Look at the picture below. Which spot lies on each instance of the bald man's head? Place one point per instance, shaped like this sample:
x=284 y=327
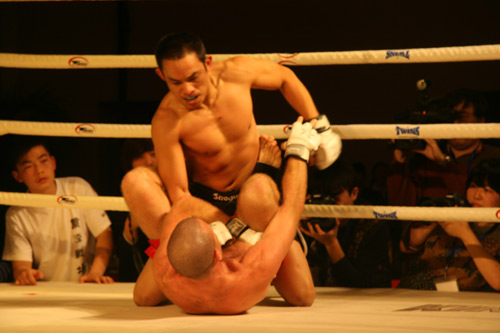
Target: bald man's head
x=191 y=248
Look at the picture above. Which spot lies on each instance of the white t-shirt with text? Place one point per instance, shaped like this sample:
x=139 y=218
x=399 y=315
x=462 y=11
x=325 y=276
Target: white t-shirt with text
x=58 y=241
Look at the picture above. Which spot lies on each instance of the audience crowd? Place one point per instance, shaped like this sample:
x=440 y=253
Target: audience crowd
x=52 y=244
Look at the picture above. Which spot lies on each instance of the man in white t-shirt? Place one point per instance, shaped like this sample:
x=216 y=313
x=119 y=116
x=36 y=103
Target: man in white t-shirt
x=55 y=244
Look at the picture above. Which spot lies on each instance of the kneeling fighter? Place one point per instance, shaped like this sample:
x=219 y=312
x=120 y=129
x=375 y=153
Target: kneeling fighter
x=208 y=267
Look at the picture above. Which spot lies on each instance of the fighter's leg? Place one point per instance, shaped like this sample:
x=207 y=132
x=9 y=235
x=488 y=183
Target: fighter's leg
x=146 y=198
x=294 y=280
x=146 y=292
x=257 y=204
x=259 y=196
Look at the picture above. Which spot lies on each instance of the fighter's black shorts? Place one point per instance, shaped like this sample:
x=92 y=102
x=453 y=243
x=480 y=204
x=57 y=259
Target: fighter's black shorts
x=226 y=201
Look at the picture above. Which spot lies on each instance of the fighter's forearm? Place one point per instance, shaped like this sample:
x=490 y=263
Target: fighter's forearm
x=294 y=185
x=176 y=186
x=297 y=95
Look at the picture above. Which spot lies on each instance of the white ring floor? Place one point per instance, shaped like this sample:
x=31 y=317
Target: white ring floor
x=72 y=307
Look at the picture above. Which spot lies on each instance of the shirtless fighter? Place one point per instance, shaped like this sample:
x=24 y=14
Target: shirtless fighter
x=204 y=268
x=204 y=131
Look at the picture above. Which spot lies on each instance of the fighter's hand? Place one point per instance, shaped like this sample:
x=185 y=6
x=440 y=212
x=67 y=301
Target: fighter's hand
x=302 y=141
x=97 y=278
x=331 y=145
x=28 y=277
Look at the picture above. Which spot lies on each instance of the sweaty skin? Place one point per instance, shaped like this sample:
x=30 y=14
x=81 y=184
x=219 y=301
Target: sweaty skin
x=204 y=129
x=241 y=274
x=231 y=287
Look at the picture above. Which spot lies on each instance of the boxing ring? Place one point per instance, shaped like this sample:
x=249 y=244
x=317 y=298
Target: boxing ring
x=346 y=132
x=71 y=307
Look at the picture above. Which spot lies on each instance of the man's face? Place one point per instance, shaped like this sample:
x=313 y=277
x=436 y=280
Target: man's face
x=36 y=169
x=346 y=198
x=483 y=196
x=465 y=115
x=188 y=80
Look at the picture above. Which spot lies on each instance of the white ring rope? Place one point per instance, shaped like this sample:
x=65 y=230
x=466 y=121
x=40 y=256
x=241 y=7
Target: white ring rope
x=475 y=214
x=62 y=201
x=406 y=131
x=404 y=56
x=74 y=129
x=347 y=132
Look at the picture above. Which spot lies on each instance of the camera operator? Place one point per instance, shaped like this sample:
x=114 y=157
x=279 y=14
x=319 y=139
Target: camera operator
x=437 y=169
x=357 y=250
x=457 y=255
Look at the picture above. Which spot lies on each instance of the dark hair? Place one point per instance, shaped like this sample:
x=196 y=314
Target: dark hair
x=470 y=98
x=334 y=180
x=487 y=172
x=132 y=149
x=22 y=146
x=177 y=45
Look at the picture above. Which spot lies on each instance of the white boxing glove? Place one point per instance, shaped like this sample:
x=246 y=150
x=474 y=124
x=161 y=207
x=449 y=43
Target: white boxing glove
x=331 y=145
x=302 y=141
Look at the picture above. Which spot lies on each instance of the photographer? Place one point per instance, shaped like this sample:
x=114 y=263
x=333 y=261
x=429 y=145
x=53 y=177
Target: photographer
x=457 y=255
x=438 y=169
x=357 y=250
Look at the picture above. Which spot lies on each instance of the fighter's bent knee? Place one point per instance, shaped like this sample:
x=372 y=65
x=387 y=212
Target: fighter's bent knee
x=306 y=298
x=145 y=300
x=138 y=176
x=261 y=188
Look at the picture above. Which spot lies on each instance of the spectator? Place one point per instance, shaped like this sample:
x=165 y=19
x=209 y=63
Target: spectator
x=358 y=250
x=458 y=255
x=436 y=171
x=54 y=244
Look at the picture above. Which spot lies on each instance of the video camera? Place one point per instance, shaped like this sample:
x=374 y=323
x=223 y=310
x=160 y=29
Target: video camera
x=450 y=200
x=429 y=111
x=325 y=224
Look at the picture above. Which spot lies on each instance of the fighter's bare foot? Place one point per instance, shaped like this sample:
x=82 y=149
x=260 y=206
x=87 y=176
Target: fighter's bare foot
x=270 y=152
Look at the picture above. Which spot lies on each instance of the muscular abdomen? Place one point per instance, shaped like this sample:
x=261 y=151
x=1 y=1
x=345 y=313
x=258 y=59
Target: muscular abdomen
x=225 y=156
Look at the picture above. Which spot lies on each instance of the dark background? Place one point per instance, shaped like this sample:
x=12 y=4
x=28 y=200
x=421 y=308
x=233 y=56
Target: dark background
x=348 y=94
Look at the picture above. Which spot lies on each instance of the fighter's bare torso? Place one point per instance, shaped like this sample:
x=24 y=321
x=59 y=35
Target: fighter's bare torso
x=219 y=139
x=232 y=287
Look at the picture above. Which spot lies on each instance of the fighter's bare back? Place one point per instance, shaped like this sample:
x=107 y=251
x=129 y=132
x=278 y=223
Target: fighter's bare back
x=232 y=286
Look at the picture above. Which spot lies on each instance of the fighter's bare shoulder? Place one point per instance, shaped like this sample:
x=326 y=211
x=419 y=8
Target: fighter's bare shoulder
x=258 y=73
x=167 y=114
x=169 y=107
x=242 y=68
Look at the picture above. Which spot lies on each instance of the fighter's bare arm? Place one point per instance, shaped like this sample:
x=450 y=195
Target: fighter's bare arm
x=267 y=255
x=165 y=130
x=267 y=75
